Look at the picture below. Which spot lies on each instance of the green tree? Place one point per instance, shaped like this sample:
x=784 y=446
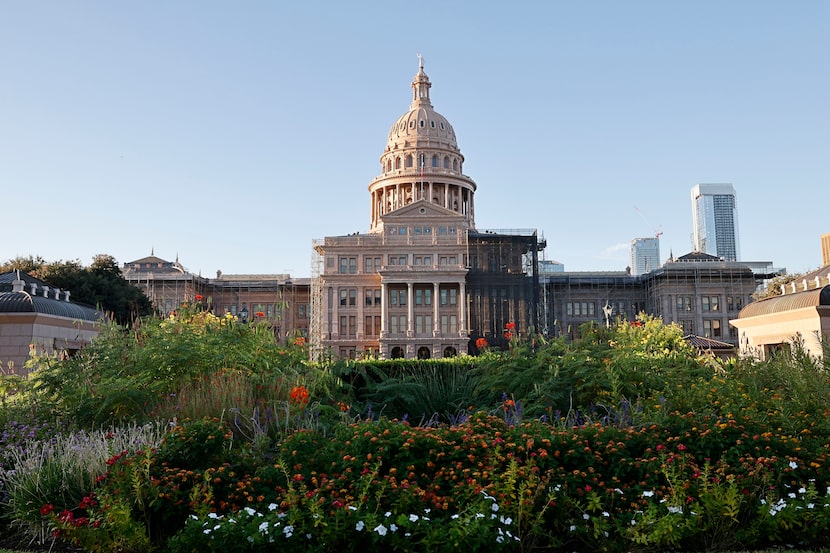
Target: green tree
x=773 y=287
x=101 y=284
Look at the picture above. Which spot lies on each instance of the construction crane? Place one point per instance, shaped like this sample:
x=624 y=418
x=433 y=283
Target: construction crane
x=657 y=230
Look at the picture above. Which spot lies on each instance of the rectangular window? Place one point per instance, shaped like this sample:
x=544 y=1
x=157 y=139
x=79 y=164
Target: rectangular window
x=302 y=310
x=371 y=325
x=344 y=297
x=352 y=297
x=368 y=265
x=397 y=296
x=711 y=328
x=348 y=265
x=684 y=303
x=344 y=325
x=448 y=325
x=580 y=309
x=710 y=303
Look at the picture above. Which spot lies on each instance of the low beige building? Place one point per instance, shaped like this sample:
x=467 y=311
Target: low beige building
x=800 y=314
x=35 y=316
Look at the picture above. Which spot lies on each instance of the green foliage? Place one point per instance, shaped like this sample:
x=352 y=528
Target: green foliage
x=61 y=471
x=418 y=390
x=604 y=368
x=138 y=374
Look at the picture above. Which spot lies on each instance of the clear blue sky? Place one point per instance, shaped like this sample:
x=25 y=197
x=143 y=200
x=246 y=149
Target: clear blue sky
x=232 y=134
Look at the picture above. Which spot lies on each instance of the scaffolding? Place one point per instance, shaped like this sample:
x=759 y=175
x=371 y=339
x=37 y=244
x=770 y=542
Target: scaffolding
x=503 y=283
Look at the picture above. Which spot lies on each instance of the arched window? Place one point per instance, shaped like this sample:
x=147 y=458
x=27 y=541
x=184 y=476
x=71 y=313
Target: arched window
x=396 y=353
x=435 y=161
x=397 y=163
x=424 y=352
x=455 y=165
x=450 y=351
x=446 y=162
x=389 y=165
x=409 y=160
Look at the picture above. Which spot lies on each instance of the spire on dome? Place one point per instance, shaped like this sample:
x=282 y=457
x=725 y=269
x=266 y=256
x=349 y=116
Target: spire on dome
x=421 y=86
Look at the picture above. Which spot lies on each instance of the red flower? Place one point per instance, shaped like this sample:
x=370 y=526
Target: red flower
x=510 y=326
x=299 y=341
x=46 y=509
x=259 y=314
x=199 y=297
x=481 y=343
x=299 y=395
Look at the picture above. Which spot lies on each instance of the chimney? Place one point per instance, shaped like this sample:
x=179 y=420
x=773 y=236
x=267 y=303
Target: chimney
x=57 y=293
x=33 y=286
x=45 y=291
x=66 y=295
x=18 y=285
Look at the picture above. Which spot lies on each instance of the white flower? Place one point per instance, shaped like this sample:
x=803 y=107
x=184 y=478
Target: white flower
x=802 y=490
x=495 y=507
x=359 y=526
x=214 y=515
x=194 y=517
x=380 y=529
x=572 y=528
x=393 y=527
x=791 y=495
x=793 y=465
x=606 y=514
x=288 y=531
x=263 y=527
x=352 y=508
x=413 y=518
x=648 y=494
x=508 y=521
x=206 y=531
x=455 y=516
x=586 y=516
x=388 y=514
x=499 y=539
x=619 y=491
x=811 y=505
x=250 y=539
x=272 y=506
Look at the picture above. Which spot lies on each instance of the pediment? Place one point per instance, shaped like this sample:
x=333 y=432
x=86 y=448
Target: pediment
x=421 y=210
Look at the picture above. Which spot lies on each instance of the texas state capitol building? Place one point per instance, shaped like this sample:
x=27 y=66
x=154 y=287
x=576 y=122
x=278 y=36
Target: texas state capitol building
x=423 y=282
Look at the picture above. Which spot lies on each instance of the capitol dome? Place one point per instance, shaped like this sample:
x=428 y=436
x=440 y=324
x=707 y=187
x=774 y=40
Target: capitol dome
x=421 y=151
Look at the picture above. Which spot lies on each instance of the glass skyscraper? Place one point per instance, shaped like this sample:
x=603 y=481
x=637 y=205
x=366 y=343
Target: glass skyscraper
x=715 y=220
x=645 y=255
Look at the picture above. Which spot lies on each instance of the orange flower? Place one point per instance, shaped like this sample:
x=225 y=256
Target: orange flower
x=299 y=395
x=510 y=326
x=299 y=341
x=259 y=314
x=481 y=343
x=199 y=297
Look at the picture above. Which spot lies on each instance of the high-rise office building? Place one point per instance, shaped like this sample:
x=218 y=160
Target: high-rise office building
x=645 y=255
x=715 y=220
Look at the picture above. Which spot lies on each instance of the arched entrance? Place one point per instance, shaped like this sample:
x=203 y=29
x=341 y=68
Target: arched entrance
x=450 y=351
x=424 y=352
x=396 y=353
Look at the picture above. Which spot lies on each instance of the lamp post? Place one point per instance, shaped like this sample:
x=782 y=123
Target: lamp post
x=243 y=314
